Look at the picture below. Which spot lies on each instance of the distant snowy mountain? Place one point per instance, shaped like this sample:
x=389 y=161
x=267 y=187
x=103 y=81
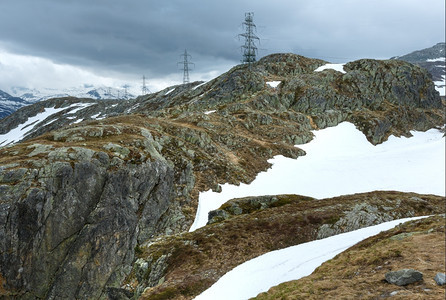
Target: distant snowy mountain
x=9 y=104
x=85 y=91
x=434 y=60
x=21 y=96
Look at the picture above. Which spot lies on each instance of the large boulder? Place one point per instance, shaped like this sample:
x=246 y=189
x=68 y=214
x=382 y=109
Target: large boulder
x=404 y=277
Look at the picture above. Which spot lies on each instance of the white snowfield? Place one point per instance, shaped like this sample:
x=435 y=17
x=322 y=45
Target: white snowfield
x=340 y=161
x=336 y=67
x=23 y=129
x=261 y=273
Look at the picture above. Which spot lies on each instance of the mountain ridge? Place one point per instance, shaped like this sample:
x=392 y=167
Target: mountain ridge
x=9 y=104
x=23 y=96
x=432 y=59
x=425 y=58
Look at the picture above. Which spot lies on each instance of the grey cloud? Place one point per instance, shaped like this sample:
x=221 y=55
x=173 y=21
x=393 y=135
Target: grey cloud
x=140 y=36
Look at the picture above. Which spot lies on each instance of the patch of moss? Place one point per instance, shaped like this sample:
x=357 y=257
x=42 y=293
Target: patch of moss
x=138 y=251
x=358 y=273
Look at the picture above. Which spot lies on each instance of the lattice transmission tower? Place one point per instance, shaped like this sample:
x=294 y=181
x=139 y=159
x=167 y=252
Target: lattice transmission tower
x=145 y=89
x=249 y=49
x=185 y=66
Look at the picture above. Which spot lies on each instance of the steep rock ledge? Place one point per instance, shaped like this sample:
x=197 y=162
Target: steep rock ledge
x=70 y=226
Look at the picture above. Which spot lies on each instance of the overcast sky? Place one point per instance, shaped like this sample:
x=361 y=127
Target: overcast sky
x=55 y=43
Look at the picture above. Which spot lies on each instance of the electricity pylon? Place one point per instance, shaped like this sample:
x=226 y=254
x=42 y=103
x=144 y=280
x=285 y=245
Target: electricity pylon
x=145 y=89
x=126 y=95
x=249 y=49
x=185 y=63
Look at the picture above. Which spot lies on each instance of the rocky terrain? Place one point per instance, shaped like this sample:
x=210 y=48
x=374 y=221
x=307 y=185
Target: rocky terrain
x=97 y=196
x=185 y=265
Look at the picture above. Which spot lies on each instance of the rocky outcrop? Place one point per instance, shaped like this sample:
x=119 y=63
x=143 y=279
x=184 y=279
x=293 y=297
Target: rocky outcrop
x=70 y=223
x=250 y=204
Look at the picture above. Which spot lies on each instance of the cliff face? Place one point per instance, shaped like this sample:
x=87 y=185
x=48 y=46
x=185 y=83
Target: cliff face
x=70 y=225
x=78 y=201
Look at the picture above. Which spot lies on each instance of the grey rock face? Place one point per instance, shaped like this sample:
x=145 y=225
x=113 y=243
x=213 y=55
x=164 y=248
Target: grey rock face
x=404 y=276
x=440 y=278
x=75 y=227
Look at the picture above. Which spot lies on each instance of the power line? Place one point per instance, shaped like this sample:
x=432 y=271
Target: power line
x=249 y=49
x=185 y=63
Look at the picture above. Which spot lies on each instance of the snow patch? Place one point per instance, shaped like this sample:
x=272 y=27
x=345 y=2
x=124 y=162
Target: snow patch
x=341 y=161
x=78 y=107
x=261 y=273
x=96 y=116
x=197 y=86
x=77 y=121
x=443 y=59
x=273 y=84
x=169 y=91
x=336 y=67
x=209 y=112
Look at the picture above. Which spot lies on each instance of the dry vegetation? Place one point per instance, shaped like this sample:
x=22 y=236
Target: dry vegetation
x=197 y=259
x=358 y=273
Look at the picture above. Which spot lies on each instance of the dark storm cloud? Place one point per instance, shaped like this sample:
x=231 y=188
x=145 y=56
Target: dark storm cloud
x=143 y=36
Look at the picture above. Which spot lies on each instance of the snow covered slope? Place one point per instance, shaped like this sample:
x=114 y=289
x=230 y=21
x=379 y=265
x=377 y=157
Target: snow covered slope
x=43 y=118
x=341 y=161
x=9 y=104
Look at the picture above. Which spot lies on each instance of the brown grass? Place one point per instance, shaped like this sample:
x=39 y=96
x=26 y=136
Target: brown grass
x=208 y=253
x=358 y=273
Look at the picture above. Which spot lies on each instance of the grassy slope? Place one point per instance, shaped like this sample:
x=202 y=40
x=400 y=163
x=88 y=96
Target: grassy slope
x=358 y=273
x=197 y=259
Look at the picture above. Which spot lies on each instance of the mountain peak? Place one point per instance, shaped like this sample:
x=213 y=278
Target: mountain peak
x=432 y=59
